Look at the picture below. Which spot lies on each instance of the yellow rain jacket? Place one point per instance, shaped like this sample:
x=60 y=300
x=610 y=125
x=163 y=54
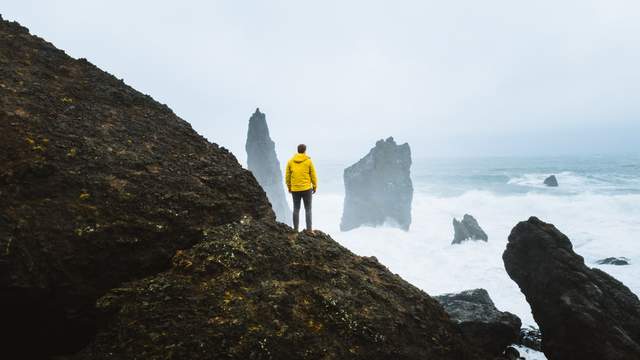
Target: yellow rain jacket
x=300 y=174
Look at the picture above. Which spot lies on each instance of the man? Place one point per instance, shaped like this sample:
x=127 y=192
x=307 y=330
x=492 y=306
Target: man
x=302 y=182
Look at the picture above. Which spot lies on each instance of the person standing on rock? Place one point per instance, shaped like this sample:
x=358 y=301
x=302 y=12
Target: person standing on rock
x=302 y=183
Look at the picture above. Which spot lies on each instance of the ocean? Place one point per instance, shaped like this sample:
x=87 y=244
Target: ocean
x=597 y=205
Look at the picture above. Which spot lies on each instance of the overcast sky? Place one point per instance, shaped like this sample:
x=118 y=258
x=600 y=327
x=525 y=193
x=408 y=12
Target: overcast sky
x=452 y=78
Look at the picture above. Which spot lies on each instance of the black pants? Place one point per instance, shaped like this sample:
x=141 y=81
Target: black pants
x=306 y=197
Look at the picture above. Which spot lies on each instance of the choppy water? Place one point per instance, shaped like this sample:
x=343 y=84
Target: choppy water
x=597 y=205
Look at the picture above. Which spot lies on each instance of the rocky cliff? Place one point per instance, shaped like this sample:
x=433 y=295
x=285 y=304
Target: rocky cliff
x=263 y=162
x=98 y=184
x=583 y=313
x=125 y=234
x=378 y=188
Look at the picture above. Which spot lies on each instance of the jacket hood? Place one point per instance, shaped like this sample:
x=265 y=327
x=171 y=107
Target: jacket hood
x=300 y=157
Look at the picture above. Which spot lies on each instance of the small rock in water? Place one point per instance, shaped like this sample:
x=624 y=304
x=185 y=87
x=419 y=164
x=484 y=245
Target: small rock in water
x=551 y=181
x=467 y=229
x=613 y=261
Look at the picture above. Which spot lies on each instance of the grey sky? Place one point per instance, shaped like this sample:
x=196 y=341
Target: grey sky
x=453 y=78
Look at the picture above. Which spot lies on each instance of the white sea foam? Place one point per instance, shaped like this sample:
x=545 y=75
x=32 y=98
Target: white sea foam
x=573 y=183
x=530 y=354
x=597 y=206
x=598 y=225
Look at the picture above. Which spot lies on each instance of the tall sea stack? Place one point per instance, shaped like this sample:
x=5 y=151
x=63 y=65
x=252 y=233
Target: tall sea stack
x=263 y=162
x=378 y=188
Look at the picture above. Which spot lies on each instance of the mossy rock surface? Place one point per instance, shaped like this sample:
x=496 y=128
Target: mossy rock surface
x=258 y=290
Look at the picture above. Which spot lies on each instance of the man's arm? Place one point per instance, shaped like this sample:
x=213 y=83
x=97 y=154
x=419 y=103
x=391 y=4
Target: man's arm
x=287 y=175
x=314 y=177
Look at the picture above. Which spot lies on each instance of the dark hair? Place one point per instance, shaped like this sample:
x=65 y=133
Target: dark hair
x=302 y=148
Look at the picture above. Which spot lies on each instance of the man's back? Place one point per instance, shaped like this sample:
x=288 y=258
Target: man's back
x=301 y=174
x=302 y=183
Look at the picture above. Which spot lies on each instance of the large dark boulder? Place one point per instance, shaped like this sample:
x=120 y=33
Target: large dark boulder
x=117 y=219
x=378 y=188
x=480 y=321
x=252 y=290
x=467 y=229
x=263 y=163
x=551 y=181
x=99 y=184
x=583 y=313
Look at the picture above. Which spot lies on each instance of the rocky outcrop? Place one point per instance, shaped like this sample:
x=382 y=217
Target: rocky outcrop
x=263 y=163
x=480 y=321
x=106 y=195
x=531 y=338
x=551 y=181
x=256 y=290
x=378 y=188
x=99 y=184
x=467 y=229
x=613 y=261
x=583 y=313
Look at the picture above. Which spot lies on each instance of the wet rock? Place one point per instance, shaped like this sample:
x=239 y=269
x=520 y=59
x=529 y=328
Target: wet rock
x=378 y=188
x=531 y=338
x=551 y=181
x=583 y=313
x=263 y=162
x=256 y=290
x=467 y=229
x=511 y=353
x=613 y=261
x=480 y=321
x=99 y=184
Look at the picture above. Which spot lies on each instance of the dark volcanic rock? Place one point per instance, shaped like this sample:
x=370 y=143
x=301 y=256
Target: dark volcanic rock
x=510 y=353
x=583 y=313
x=256 y=290
x=614 y=261
x=480 y=321
x=105 y=191
x=467 y=229
x=551 y=181
x=378 y=188
x=531 y=338
x=263 y=163
x=98 y=184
